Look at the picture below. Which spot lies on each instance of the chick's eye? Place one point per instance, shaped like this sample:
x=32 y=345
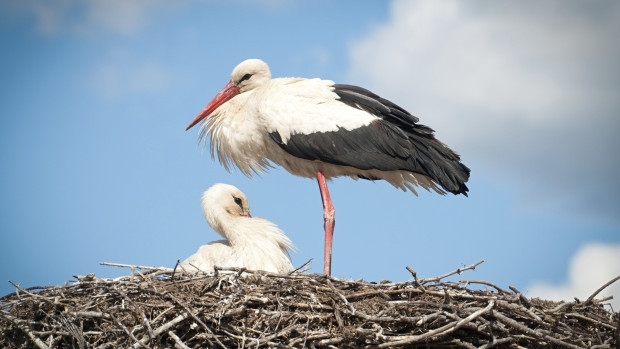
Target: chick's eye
x=237 y=201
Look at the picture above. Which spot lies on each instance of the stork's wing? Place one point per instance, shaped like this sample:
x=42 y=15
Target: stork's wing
x=359 y=129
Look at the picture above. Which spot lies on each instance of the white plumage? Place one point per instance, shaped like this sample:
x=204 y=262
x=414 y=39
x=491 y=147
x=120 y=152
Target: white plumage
x=316 y=128
x=251 y=242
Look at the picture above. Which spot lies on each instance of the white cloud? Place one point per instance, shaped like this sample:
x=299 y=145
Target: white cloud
x=590 y=268
x=124 y=17
x=119 y=72
x=122 y=74
x=505 y=59
x=527 y=91
x=48 y=16
x=149 y=77
x=84 y=17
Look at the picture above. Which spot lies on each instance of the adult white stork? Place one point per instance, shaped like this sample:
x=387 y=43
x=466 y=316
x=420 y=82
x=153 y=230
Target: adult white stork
x=319 y=129
x=251 y=242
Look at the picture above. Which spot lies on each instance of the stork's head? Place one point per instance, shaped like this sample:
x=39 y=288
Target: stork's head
x=246 y=76
x=250 y=74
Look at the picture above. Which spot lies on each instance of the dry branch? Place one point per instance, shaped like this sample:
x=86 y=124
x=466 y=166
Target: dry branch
x=159 y=308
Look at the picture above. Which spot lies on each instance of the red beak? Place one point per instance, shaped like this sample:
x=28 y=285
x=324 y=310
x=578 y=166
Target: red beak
x=228 y=92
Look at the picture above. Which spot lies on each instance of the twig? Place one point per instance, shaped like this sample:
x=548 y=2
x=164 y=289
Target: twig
x=178 y=263
x=589 y=300
x=344 y=299
x=415 y=277
x=135 y=266
x=522 y=298
x=330 y=341
x=19 y=288
x=282 y=332
x=161 y=329
x=89 y=314
x=495 y=342
x=144 y=318
x=518 y=307
x=303 y=345
x=598 y=323
x=303 y=267
x=457 y=271
x=177 y=340
x=559 y=307
x=482 y=282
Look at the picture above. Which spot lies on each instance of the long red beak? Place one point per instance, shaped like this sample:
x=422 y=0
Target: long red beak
x=228 y=92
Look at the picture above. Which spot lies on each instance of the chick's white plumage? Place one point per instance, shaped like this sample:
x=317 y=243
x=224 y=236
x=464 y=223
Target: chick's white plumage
x=250 y=242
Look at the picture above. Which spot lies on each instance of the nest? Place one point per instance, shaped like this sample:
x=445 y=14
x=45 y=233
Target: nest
x=156 y=308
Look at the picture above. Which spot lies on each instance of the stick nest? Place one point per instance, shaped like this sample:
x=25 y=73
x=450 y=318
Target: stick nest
x=154 y=308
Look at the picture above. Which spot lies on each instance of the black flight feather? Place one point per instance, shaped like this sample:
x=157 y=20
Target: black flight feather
x=394 y=142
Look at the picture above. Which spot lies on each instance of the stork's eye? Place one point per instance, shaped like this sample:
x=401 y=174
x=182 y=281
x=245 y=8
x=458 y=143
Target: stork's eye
x=245 y=77
x=237 y=201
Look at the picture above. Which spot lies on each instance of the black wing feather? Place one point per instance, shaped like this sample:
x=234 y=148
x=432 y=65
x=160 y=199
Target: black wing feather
x=394 y=142
x=361 y=98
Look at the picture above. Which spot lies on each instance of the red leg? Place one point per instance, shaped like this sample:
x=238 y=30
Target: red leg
x=329 y=222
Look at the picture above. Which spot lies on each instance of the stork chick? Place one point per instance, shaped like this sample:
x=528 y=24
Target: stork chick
x=250 y=242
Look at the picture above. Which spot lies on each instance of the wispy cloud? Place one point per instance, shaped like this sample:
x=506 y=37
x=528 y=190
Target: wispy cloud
x=126 y=17
x=526 y=91
x=118 y=71
x=121 y=74
x=83 y=17
x=48 y=17
x=590 y=268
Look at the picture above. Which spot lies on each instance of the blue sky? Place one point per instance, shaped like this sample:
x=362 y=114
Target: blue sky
x=95 y=97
